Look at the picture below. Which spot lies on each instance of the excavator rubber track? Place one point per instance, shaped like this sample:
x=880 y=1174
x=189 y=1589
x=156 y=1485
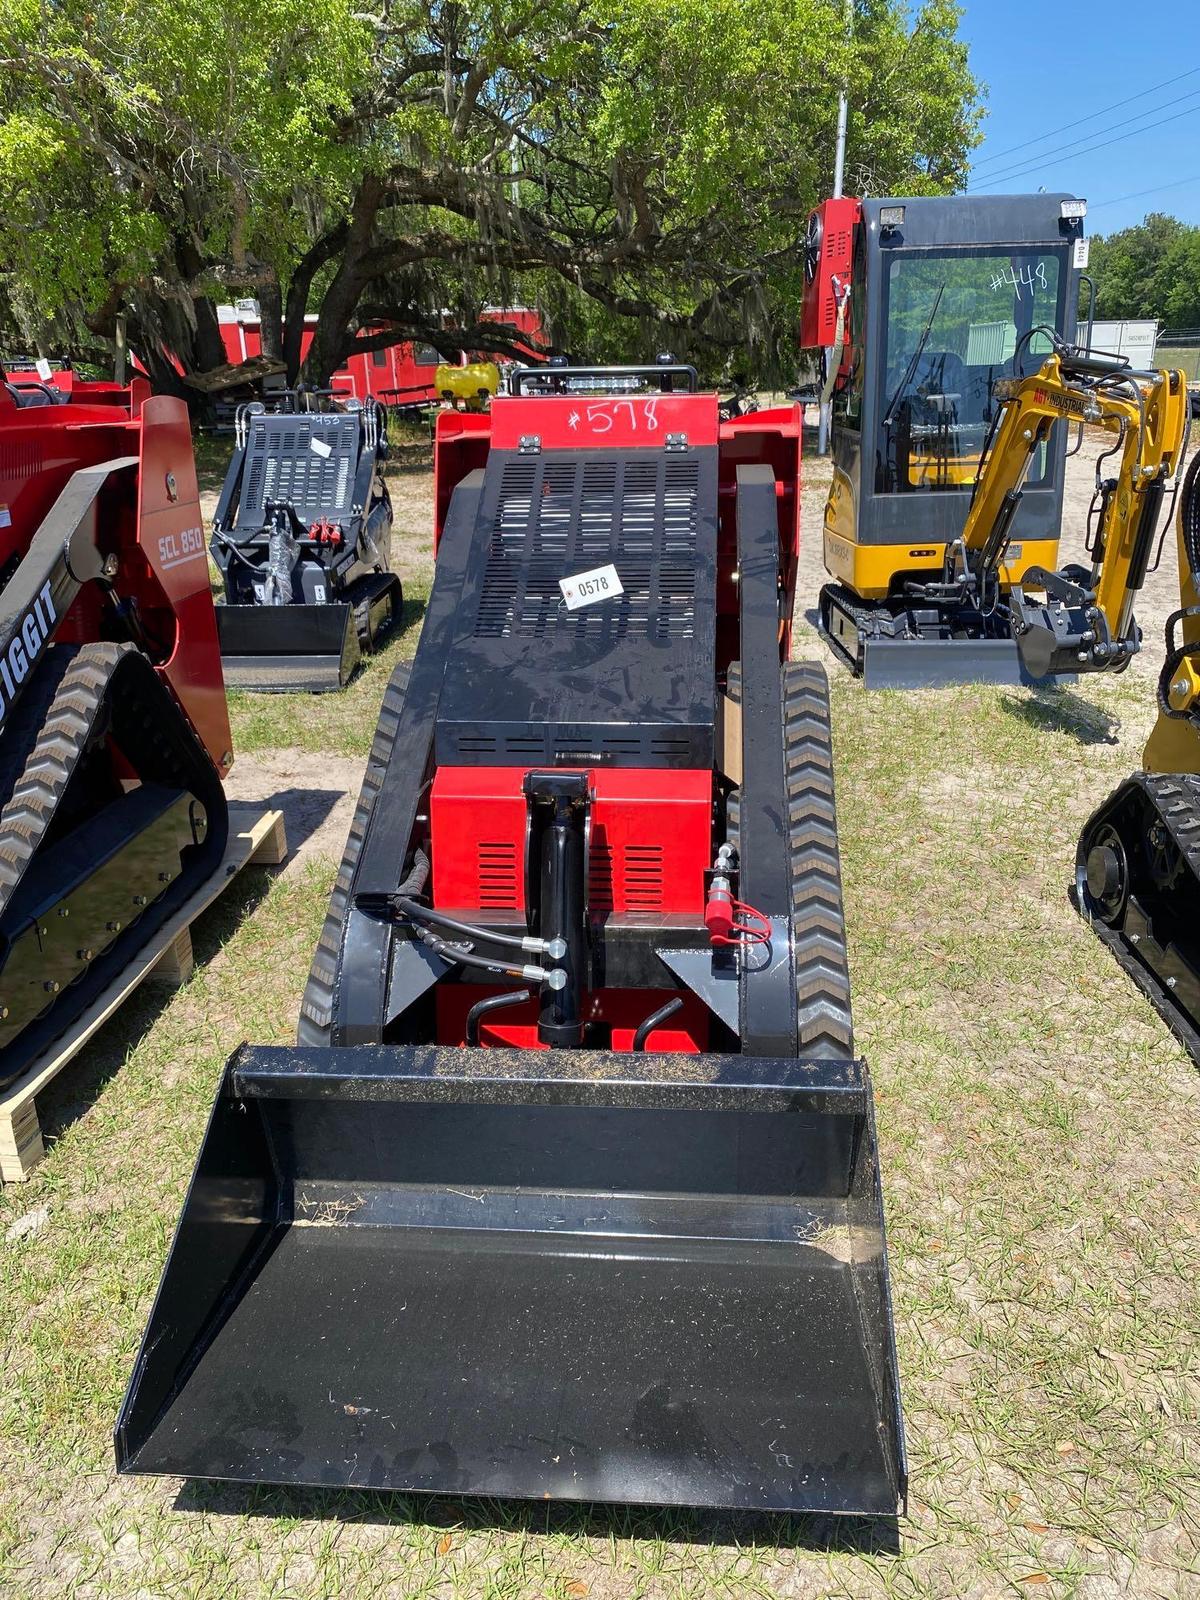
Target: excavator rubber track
x=90 y=868
x=1137 y=883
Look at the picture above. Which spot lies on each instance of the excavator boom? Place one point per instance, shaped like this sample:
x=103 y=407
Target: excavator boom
x=1075 y=620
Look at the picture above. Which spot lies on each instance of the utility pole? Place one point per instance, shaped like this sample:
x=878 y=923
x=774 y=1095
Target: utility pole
x=839 y=173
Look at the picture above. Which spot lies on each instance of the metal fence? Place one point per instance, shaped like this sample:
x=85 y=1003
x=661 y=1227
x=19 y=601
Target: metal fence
x=1181 y=348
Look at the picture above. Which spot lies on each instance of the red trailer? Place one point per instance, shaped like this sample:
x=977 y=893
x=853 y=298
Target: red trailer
x=401 y=374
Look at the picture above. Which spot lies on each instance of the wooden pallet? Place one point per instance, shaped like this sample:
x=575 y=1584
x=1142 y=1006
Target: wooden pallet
x=255 y=837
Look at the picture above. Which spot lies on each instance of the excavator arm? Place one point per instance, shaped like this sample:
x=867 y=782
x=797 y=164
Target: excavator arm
x=1076 y=620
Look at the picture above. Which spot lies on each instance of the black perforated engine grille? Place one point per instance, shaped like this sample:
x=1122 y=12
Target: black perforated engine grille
x=281 y=464
x=557 y=517
x=628 y=681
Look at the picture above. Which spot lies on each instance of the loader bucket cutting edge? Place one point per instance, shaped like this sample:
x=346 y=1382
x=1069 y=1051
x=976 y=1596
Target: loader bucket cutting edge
x=657 y=1279
x=292 y=647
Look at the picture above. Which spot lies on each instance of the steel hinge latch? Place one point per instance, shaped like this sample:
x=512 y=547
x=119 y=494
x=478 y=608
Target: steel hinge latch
x=530 y=445
x=676 y=442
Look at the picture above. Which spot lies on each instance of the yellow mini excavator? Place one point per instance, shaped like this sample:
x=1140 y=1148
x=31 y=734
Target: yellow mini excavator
x=1074 y=619
x=924 y=307
x=1137 y=873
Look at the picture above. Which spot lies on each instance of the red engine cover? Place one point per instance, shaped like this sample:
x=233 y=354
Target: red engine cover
x=828 y=253
x=651 y=840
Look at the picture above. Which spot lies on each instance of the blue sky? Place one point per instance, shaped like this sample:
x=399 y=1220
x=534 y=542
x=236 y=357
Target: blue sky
x=1052 y=69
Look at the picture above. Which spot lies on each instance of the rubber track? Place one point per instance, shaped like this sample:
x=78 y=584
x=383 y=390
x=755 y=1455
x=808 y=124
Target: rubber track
x=362 y=617
x=824 y=1021
x=49 y=766
x=362 y=608
x=67 y=707
x=316 y=1007
x=1175 y=798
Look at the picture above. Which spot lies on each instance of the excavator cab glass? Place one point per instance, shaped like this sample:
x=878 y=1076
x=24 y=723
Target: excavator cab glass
x=954 y=321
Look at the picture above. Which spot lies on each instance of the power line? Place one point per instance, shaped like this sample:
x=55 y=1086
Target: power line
x=1068 y=153
x=1081 y=146
x=1076 y=122
x=1138 y=193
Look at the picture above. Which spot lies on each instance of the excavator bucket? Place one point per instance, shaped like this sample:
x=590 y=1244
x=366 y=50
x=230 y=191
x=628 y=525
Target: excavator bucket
x=570 y=1188
x=275 y=649
x=440 y=1270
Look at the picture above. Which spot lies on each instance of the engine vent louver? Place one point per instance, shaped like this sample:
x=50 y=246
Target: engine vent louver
x=282 y=464
x=626 y=682
x=499 y=889
x=629 y=878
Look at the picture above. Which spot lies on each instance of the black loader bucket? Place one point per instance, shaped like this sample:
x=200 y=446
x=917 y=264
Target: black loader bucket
x=293 y=647
x=487 y=1272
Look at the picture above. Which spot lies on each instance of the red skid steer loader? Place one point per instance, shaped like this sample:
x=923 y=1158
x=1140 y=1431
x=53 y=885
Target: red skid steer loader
x=569 y=1188
x=114 y=733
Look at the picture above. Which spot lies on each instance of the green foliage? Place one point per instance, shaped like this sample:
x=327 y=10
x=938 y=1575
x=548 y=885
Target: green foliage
x=642 y=168
x=1151 y=270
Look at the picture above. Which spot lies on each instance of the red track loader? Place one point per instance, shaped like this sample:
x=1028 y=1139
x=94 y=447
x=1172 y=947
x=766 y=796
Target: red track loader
x=569 y=1189
x=114 y=735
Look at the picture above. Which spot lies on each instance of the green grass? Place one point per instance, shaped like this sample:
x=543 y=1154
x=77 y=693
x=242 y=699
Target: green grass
x=341 y=724
x=1041 y=1174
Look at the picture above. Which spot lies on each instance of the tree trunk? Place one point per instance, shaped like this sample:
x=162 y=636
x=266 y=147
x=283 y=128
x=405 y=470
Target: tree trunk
x=209 y=346
x=333 y=333
x=270 y=310
x=326 y=247
x=164 y=379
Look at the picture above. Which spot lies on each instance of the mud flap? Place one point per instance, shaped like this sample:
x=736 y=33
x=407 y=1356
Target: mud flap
x=583 y=1276
x=293 y=647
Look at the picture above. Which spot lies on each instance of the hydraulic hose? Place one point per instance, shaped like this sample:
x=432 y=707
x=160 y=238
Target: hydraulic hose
x=656 y=1020
x=554 y=978
x=467 y=930
x=489 y=1003
x=1189 y=516
x=418 y=875
x=1189 y=527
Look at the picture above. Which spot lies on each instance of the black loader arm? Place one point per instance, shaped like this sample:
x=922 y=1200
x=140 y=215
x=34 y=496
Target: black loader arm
x=63 y=557
x=225 y=515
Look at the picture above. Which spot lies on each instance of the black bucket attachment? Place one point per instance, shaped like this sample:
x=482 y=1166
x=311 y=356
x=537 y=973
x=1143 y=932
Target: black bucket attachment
x=293 y=647
x=566 y=1275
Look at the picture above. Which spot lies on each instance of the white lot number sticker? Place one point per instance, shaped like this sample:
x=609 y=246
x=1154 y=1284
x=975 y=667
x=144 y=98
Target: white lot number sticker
x=588 y=588
x=1082 y=251
x=43 y=369
x=320 y=448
